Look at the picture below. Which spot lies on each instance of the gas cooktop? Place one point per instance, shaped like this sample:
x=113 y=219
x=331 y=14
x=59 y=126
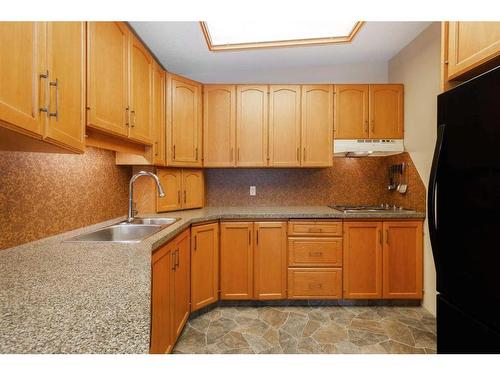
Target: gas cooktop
x=361 y=208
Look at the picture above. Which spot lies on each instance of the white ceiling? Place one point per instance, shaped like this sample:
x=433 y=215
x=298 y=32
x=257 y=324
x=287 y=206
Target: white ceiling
x=181 y=48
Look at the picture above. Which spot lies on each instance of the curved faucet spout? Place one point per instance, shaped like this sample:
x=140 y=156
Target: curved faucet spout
x=161 y=193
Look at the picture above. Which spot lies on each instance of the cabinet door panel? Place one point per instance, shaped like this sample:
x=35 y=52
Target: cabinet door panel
x=193 y=188
x=351 y=112
x=317 y=125
x=161 y=300
x=66 y=65
x=284 y=126
x=204 y=265
x=362 y=260
x=236 y=261
x=251 y=126
x=141 y=73
x=182 y=282
x=185 y=123
x=108 y=76
x=403 y=270
x=386 y=111
x=159 y=115
x=219 y=120
x=471 y=44
x=22 y=61
x=270 y=260
x=171 y=181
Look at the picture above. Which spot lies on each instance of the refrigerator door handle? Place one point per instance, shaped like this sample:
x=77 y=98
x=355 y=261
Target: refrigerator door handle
x=431 y=199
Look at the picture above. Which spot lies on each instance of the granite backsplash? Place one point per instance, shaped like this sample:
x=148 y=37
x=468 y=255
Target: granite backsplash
x=348 y=181
x=46 y=194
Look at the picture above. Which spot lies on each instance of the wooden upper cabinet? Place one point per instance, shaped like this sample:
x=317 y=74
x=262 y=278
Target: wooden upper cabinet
x=162 y=285
x=362 y=260
x=22 y=87
x=171 y=181
x=184 y=122
x=182 y=281
x=66 y=66
x=193 y=188
x=108 y=76
x=284 y=125
x=219 y=125
x=317 y=125
x=469 y=45
x=386 y=111
x=204 y=265
x=141 y=91
x=159 y=138
x=351 y=112
x=251 y=125
x=403 y=270
x=236 y=260
x=270 y=260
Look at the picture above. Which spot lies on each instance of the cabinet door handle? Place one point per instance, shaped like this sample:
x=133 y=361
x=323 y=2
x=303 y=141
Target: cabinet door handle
x=177 y=258
x=47 y=93
x=387 y=236
x=132 y=123
x=196 y=151
x=315 y=253
x=238 y=154
x=366 y=126
x=380 y=236
x=179 y=196
x=184 y=196
x=372 y=125
x=298 y=153
x=257 y=237
x=174 y=153
x=56 y=113
x=304 y=154
x=195 y=243
x=173 y=261
x=127 y=117
x=315 y=285
x=249 y=237
x=231 y=155
x=315 y=230
x=156 y=148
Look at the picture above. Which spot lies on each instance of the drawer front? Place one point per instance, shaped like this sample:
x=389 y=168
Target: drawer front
x=315 y=228
x=314 y=251
x=314 y=283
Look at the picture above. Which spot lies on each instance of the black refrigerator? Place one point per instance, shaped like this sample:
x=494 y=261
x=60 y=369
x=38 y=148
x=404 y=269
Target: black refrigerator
x=464 y=216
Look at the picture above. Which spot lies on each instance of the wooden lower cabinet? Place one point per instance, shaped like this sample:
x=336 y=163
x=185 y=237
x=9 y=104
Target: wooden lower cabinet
x=270 y=260
x=314 y=252
x=182 y=281
x=383 y=260
x=402 y=260
x=314 y=283
x=236 y=260
x=162 y=288
x=362 y=260
x=204 y=265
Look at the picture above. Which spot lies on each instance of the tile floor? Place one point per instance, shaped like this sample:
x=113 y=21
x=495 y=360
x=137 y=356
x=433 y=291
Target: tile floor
x=318 y=329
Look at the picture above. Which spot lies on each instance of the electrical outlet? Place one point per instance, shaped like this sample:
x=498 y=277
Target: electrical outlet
x=253 y=190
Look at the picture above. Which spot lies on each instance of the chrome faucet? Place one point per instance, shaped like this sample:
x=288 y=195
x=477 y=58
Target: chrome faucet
x=161 y=193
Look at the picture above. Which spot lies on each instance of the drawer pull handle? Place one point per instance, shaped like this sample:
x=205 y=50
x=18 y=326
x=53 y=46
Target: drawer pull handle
x=315 y=230
x=315 y=285
x=315 y=253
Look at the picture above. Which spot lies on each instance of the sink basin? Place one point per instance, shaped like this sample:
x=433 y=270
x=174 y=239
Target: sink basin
x=163 y=221
x=124 y=232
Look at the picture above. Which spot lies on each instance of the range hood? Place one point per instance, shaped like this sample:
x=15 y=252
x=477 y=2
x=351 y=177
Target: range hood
x=367 y=147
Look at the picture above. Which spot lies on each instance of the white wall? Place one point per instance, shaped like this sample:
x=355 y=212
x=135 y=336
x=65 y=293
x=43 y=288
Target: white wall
x=372 y=72
x=418 y=67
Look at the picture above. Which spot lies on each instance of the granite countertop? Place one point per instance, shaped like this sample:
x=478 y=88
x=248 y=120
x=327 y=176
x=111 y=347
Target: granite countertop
x=95 y=297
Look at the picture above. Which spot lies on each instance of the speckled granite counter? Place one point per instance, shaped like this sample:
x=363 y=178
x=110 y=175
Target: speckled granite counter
x=95 y=297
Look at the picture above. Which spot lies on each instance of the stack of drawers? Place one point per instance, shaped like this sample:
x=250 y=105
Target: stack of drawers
x=314 y=259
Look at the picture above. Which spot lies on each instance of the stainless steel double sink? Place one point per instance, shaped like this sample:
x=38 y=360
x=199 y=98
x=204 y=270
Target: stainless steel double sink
x=125 y=232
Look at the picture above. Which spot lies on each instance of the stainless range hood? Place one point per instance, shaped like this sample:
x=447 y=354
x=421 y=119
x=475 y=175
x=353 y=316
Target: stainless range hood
x=367 y=147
